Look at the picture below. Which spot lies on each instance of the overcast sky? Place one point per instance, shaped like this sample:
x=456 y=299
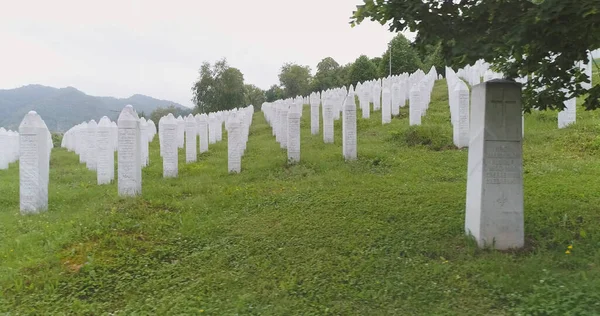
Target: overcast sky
x=123 y=47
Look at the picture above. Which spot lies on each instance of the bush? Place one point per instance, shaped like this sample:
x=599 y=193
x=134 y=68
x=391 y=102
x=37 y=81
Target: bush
x=431 y=136
x=57 y=139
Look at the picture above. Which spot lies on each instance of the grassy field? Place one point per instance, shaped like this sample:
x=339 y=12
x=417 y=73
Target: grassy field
x=382 y=235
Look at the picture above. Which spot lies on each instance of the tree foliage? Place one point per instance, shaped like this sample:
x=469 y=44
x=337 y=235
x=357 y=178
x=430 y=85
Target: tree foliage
x=404 y=57
x=295 y=80
x=274 y=93
x=362 y=70
x=219 y=87
x=254 y=96
x=543 y=38
x=328 y=75
x=162 y=111
x=432 y=56
x=345 y=74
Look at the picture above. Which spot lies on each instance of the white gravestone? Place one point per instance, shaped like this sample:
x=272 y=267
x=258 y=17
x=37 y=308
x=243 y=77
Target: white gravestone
x=180 y=132
x=568 y=116
x=91 y=157
x=5 y=149
x=283 y=121
x=203 y=133
x=144 y=141
x=34 y=164
x=386 y=106
x=106 y=155
x=314 y=115
x=328 y=122
x=129 y=162
x=82 y=145
x=461 y=127
x=494 y=214
x=169 y=146
x=414 y=106
x=376 y=95
x=234 y=138
x=396 y=96
x=293 y=135
x=190 y=139
x=349 y=128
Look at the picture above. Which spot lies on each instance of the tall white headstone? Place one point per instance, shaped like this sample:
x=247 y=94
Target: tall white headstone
x=461 y=127
x=5 y=149
x=34 y=164
x=494 y=215
x=328 y=122
x=293 y=135
x=129 y=162
x=386 y=106
x=144 y=135
x=190 y=139
x=349 y=128
x=414 y=106
x=234 y=138
x=283 y=125
x=203 y=133
x=91 y=157
x=180 y=132
x=169 y=146
x=314 y=115
x=106 y=154
x=396 y=98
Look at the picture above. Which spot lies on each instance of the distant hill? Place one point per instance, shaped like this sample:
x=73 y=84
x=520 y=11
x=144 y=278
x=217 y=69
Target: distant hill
x=65 y=107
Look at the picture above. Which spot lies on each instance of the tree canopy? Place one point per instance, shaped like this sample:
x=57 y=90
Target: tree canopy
x=220 y=87
x=542 y=38
x=254 y=96
x=274 y=93
x=295 y=80
x=327 y=76
x=163 y=111
x=404 y=58
x=363 y=69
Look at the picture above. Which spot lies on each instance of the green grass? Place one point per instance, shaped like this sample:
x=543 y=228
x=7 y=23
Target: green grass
x=381 y=235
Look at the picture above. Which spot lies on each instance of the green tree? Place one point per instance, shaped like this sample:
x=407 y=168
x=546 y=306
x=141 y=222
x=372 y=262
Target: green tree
x=543 y=38
x=254 y=95
x=404 y=57
x=274 y=93
x=295 y=80
x=231 y=89
x=432 y=56
x=345 y=75
x=219 y=87
x=161 y=111
x=376 y=61
x=327 y=76
x=362 y=70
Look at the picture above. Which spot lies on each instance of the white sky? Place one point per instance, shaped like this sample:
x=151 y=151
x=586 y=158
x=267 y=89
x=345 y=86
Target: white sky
x=122 y=47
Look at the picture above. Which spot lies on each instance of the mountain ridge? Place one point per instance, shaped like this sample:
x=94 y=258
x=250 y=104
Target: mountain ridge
x=62 y=108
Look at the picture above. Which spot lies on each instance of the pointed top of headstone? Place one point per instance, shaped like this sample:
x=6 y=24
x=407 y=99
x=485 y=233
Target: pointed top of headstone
x=128 y=113
x=92 y=124
x=460 y=86
x=190 y=118
x=104 y=122
x=3 y=131
x=169 y=119
x=32 y=119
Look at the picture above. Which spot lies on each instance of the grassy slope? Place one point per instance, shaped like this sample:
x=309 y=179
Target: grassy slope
x=382 y=235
